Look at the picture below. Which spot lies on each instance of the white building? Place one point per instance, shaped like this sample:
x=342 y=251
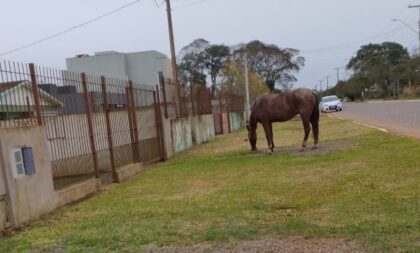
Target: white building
x=140 y=67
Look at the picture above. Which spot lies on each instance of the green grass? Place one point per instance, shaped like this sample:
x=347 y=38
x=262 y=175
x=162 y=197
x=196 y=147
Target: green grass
x=366 y=189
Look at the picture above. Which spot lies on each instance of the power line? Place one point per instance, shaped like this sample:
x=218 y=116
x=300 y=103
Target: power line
x=189 y=4
x=71 y=28
x=351 y=42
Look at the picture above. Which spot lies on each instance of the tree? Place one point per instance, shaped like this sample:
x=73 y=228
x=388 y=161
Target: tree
x=233 y=79
x=192 y=64
x=380 y=63
x=272 y=63
x=215 y=57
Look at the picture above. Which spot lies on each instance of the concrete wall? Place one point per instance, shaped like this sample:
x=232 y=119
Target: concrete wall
x=202 y=128
x=236 y=121
x=3 y=198
x=181 y=134
x=29 y=196
x=25 y=198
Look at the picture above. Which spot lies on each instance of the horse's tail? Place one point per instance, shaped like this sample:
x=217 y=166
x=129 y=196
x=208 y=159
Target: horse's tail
x=315 y=118
x=251 y=123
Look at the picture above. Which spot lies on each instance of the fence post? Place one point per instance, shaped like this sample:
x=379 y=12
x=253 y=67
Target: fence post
x=108 y=128
x=130 y=123
x=162 y=84
x=35 y=93
x=90 y=125
x=159 y=124
x=227 y=98
x=134 y=121
x=192 y=99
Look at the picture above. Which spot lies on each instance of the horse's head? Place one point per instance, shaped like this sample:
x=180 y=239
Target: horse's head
x=252 y=136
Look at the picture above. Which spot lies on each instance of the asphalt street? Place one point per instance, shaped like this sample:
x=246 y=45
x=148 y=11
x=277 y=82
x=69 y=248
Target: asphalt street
x=400 y=117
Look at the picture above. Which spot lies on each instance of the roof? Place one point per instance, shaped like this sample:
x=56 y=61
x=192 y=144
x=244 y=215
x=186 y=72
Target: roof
x=9 y=85
x=5 y=87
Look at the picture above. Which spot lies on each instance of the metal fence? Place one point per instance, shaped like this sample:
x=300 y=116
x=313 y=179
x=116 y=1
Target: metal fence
x=181 y=101
x=223 y=104
x=94 y=125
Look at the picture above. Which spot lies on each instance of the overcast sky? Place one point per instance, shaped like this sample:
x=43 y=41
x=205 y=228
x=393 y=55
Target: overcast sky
x=307 y=25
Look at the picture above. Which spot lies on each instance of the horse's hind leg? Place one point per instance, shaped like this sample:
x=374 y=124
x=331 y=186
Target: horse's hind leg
x=307 y=128
x=269 y=136
x=315 y=130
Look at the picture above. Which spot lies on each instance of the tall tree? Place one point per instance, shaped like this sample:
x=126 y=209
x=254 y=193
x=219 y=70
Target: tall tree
x=380 y=63
x=215 y=57
x=192 y=64
x=233 y=79
x=274 y=64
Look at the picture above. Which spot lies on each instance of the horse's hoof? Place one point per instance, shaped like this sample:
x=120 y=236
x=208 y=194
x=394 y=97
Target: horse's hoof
x=314 y=147
x=270 y=152
x=254 y=149
x=302 y=150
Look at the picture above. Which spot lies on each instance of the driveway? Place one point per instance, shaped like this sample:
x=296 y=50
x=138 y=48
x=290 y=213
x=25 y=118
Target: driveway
x=400 y=117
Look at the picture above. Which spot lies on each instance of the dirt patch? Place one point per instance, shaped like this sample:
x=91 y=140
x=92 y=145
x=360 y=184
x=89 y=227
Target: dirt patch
x=323 y=148
x=292 y=245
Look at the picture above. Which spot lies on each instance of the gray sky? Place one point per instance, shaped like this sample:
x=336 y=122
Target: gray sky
x=307 y=25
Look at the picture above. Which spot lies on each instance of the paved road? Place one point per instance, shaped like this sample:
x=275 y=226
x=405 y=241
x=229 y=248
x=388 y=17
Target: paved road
x=401 y=117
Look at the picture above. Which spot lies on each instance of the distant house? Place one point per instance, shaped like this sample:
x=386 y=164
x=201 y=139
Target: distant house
x=140 y=67
x=73 y=100
x=16 y=101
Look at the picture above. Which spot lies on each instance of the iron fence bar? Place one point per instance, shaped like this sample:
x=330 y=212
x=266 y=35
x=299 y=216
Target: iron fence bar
x=162 y=84
x=134 y=120
x=158 y=116
x=108 y=128
x=35 y=94
x=227 y=101
x=90 y=125
x=192 y=99
x=130 y=122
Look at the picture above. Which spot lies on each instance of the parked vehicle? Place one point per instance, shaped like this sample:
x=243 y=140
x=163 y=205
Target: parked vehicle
x=330 y=104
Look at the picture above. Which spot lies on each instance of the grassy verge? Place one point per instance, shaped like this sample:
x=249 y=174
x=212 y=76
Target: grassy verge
x=362 y=185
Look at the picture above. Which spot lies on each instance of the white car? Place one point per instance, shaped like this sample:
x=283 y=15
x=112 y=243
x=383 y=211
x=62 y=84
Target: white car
x=330 y=104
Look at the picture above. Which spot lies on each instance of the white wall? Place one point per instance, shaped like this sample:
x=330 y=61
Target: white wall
x=140 y=67
x=143 y=67
x=109 y=65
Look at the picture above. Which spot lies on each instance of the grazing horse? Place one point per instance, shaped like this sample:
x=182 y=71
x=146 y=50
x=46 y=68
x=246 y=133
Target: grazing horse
x=269 y=108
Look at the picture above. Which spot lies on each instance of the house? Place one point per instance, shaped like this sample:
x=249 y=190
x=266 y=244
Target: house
x=73 y=100
x=140 y=67
x=17 y=102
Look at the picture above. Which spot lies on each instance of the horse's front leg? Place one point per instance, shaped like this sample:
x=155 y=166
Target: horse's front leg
x=269 y=136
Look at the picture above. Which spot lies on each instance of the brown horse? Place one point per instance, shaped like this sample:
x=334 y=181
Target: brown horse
x=269 y=108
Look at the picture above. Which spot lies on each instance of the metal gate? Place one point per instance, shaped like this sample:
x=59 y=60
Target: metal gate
x=103 y=124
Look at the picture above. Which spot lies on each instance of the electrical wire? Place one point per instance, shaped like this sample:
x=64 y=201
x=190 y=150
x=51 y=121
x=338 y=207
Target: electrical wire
x=71 y=28
x=351 y=42
x=189 y=4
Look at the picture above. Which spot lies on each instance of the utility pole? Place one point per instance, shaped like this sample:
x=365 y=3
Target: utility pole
x=171 y=41
x=173 y=54
x=338 y=73
x=246 y=86
x=320 y=85
x=328 y=84
x=417 y=6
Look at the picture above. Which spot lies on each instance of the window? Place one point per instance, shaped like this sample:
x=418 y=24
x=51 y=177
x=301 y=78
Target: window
x=22 y=160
